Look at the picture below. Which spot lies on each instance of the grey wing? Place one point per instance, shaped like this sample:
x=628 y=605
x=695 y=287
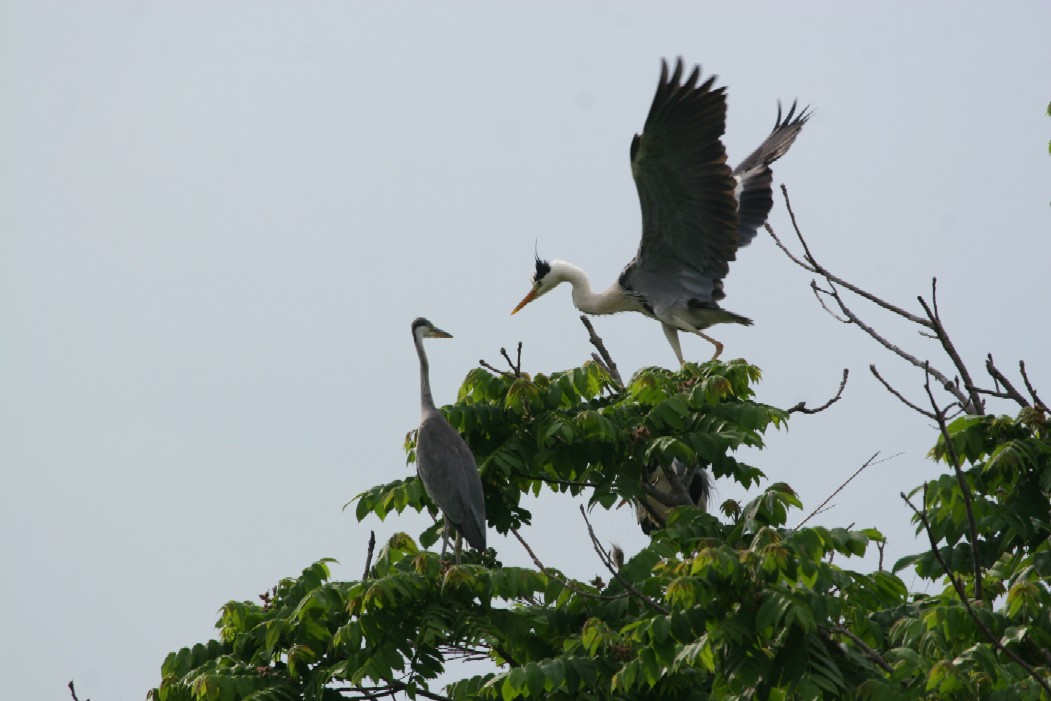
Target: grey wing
x=686 y=191
x=754 y=177
x=450 y=476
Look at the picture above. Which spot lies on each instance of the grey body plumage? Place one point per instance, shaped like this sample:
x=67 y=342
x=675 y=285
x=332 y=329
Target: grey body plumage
x=444 y=463
x=698 y=485
x=696 y=212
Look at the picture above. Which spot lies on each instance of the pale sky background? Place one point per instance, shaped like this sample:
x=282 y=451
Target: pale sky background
x=218 y=219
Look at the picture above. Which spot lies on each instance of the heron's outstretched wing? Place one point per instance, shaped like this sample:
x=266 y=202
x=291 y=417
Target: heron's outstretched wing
x=686 y=190
x=450 y=476
x=754 y=177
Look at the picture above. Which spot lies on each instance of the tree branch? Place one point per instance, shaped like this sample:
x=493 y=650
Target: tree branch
x=368 y=558
x=922 y=515
x=491 y=369
x=840 y=487
x=1032 y=392
x=1011 y=392
x=73 y=691
x=515 y=368
x=801 y=406
x=613 y=571
x=868 y=651
x=558 y=577
x=371 y=693
x=815 y=267
x=607 y=360
x=897 y=394
x=950 y=449
x=947 y=384
x=978 y=407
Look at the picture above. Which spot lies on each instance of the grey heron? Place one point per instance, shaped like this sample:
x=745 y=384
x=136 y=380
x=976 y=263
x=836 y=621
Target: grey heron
x=696 y=212
x=444 y=463
x=698 y=484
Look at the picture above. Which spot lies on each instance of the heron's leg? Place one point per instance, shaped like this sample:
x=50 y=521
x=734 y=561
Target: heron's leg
x=672 y=334
x=445 y=538
x=459 y=546
x=718 y=346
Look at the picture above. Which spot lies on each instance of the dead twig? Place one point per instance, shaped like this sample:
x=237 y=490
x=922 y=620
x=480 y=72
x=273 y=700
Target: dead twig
x=801 y=406
x=558 y=577
x=817 y=295
x=977 y=406
x=368 y=558
x=73 y=691
x=961 y=592
x=1032 y=392
x=898 y=394
x=865 y=649
x=954 y=460
x=815 y=267
x=369 y=693
x=604 y=557
x=515 y=368
x=491 y=369
x=947 y=384
x=1010 y=390
x=607 y=360
x=839 y=489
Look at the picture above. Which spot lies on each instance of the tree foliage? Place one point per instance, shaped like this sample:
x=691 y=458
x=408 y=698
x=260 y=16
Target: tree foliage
x=737 y=606
x=740 y=606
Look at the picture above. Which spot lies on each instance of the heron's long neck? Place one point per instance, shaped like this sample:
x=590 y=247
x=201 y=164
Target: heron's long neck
x=608 y=302
x=426 y=400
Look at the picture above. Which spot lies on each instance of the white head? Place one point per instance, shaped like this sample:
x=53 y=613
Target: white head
x=547 y=277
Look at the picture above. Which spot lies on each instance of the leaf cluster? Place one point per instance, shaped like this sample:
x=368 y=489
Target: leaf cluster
x=744 y=608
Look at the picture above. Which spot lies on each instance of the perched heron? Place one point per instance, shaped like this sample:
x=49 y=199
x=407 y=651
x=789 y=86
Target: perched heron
x=698 y=484
x=444 y=462
x=696 y=212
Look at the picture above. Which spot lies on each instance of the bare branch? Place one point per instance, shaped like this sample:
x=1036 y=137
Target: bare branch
x=370 y=693
x=947 y=384
x=516 y=369
x=604 y=557
x=1011 y=392
x=824 y=272
x=977 y=406
x=958 y=586
x=950 y=450
x=491 y=369
x=1032 y=392
x=897 y=394
x=868 y=651
x=368 y=558
x=840 y=487
x=820 y=300
x=611 y=367
x=801 y=406
x=558 y=577
x=73 y=691
x=546 y=479
x=991 y=393
x=784 y=249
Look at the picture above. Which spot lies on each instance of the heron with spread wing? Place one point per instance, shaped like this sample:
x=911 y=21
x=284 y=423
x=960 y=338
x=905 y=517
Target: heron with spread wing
x=696 y=212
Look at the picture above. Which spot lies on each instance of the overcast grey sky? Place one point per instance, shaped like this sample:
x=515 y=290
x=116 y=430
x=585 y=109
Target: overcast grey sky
x=218 y=219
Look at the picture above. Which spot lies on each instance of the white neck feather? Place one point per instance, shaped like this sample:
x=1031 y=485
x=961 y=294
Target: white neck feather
x=611 y=301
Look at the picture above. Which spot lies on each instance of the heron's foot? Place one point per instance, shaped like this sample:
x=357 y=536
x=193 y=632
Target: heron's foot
x=717 y=344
